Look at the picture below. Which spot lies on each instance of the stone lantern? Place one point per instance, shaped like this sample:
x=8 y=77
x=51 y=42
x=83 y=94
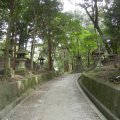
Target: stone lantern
x=98 y=57
x=41 y=59
x=21 y=61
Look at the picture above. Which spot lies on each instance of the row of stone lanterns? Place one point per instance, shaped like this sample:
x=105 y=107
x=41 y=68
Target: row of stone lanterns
x=21 y=59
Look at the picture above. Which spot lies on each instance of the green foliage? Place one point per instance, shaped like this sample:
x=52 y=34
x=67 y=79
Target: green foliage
x=89 y=41
x=64 y=35
x=112 y=21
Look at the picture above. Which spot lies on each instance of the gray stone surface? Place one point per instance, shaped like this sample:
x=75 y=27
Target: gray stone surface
x=58 y=99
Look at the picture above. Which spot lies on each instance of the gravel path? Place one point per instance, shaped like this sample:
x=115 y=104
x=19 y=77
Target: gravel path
x=59 y=99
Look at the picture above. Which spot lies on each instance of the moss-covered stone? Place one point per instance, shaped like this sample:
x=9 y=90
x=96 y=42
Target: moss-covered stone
x=107 y=93
x=21 y=71
x=11 y=91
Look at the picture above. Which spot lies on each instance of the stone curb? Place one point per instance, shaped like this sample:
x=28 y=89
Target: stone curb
x=99 y=105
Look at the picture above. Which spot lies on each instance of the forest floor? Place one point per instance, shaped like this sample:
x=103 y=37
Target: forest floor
x=110 y=71
x=106 y=74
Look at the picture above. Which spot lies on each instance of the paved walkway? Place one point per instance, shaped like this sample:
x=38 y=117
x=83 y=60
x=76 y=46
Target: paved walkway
x=59 y=99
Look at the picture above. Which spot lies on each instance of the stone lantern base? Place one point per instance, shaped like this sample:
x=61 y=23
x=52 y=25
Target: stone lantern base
x=21 y=72
x=21 y=64
x=21 y=69
x=99 y=64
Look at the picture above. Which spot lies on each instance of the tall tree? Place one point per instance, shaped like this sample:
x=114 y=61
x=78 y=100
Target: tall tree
x=50 y=10
x=92 y=10
x=9 y=8
x=112 y=21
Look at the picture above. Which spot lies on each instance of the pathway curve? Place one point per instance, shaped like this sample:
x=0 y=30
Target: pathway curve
x=59 y=99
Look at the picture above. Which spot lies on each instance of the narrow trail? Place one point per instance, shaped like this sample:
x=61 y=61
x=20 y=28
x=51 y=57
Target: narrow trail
x=58 y=99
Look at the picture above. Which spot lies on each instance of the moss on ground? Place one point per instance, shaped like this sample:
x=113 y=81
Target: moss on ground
x=104 y=74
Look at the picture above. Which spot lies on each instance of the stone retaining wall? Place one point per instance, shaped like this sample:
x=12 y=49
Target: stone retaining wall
x=9 y=92
x=107 y=94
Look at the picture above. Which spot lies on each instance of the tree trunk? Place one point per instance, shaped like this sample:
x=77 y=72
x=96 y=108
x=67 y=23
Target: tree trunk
x=103 y=39
x=32 y=53
x=7 y=45
x=14 y=55
x=50 y=66
x=88 y=59
x=33 y=43
x=94 y=20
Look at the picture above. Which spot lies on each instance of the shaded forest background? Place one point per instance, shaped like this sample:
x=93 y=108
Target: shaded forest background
x=68 y=41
